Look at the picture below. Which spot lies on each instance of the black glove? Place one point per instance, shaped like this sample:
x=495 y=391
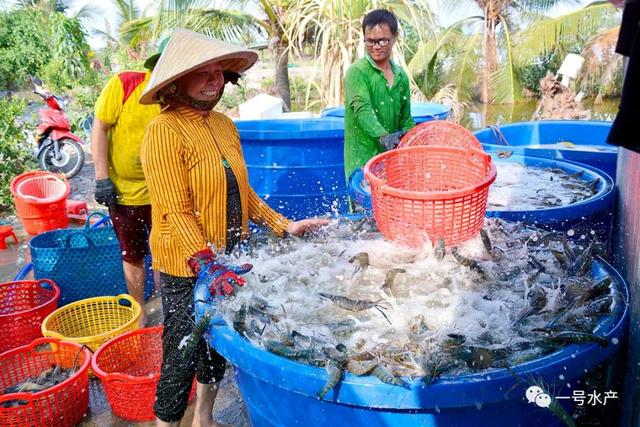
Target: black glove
x=390 y=141
x=105 y=192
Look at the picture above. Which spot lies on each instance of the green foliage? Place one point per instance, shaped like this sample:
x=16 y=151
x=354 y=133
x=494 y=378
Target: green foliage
x=531 y=74
x=16 y=155
x=232 y=97
x=24 y=46
x=411 y=39
x=49 y=45
x=229 y=22
x=86 y=96
x=303 y=93
x=430 y=79
x=70 y=63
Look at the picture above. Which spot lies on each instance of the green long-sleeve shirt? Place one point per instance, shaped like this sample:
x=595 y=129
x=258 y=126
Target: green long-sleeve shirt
x=372 y=109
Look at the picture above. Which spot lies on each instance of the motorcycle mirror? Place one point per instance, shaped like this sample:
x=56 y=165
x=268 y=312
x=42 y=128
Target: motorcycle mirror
x=36 y=81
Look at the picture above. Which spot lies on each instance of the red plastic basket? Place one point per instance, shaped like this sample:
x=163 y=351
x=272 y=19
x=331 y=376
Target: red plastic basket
x=40 y=199
x=61 y=405
x=440 y=132
x=23 y=306
x=430 y=192
x=129 y=368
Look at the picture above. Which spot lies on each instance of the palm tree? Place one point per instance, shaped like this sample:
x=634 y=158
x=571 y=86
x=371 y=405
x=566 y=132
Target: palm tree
x=489 y=40
x=276 y=16
x=224 y=20
x=133 y=41
x=602 y=65
x=595 y=28
x=333 y=29
x=497 y=20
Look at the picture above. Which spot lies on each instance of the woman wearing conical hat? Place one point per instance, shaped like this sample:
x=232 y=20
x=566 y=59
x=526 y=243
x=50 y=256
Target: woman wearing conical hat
x=201 y=203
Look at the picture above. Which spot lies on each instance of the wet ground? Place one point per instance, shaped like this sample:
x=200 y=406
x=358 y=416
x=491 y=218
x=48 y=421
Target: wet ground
x=229 y=408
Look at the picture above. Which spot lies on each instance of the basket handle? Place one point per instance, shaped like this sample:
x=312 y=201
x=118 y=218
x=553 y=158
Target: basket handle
x=44 y=344
x=47 y=284
x=117 y=376
x=90 y=242
x=104 y=220
x=27 y=397
x=125 y=300
x=23 y=272
x=50 y=334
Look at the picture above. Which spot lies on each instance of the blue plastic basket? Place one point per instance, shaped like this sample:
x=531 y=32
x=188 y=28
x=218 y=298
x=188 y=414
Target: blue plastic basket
x=83 y=262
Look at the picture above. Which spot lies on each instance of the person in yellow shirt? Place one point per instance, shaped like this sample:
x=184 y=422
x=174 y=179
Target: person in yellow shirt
x=116 y=136
x=201 y=203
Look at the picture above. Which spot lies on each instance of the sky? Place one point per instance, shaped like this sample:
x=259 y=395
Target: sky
x=107 y=11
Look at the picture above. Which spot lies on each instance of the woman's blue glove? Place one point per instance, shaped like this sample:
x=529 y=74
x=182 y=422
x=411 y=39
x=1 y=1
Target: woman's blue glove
x=221 y=279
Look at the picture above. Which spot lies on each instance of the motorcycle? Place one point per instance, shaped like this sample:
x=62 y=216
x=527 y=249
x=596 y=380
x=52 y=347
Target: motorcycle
x=59 y=150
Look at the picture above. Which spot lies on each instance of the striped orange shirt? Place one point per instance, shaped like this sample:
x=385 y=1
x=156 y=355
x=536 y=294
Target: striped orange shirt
x=182 y=157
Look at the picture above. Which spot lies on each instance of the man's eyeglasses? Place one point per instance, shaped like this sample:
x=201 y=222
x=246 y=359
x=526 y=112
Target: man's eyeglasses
x=380 y=42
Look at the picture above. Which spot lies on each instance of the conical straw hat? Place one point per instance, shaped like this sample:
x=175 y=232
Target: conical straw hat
x=188 y=51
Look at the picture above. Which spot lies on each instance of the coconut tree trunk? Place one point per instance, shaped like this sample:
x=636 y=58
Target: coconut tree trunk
x=490 y=62
x=282 y=89
x=489 y=49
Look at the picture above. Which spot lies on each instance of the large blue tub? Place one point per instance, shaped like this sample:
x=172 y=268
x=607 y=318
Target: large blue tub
x=280 y=392
x=587 y=138
x=420 y=112
x=296 y=165
x=592 y=214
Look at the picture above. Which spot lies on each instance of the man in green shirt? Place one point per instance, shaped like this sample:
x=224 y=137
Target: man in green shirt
x=377 y=98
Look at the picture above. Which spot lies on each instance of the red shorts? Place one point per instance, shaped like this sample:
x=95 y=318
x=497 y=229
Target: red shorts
x=132 y=225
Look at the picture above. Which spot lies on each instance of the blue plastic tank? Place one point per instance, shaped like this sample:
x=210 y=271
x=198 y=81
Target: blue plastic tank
x=592 y=214
x=589 y=216
x=420 y=112
x=587 y=141
x=296 y=165
x=281 y=392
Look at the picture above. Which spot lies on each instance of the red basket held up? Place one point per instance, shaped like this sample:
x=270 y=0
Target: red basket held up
x=428 y=192
x=440 y=132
